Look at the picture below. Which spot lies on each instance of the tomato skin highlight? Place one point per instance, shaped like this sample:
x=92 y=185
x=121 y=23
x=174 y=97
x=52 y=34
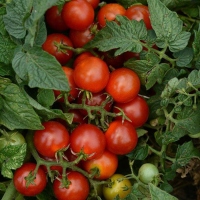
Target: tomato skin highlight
x=78 y=189
x=52 y=138
x=119 y=186
x=20 y=183
x=121 y=137
x=89 y=139
x=91 y=74
x=107 y=164
x=78 y=14
x=136 y=110
x=123 y=85
x=50 y=47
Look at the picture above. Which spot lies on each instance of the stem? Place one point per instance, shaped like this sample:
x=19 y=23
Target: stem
x=10 y=192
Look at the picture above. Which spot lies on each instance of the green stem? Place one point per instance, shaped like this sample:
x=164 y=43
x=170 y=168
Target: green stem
x=10 y=192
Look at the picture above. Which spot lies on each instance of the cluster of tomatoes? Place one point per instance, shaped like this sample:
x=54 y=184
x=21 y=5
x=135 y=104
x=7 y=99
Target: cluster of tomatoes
x=87 y=144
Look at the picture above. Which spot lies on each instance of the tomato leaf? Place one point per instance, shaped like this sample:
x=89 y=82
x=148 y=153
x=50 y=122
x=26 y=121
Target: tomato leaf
x=16 y=112
x=40 y=69
x=2 y=25
x=157 y=193
x=124 y=35
x=11 y=158
x=45 y=97
x=168 y=27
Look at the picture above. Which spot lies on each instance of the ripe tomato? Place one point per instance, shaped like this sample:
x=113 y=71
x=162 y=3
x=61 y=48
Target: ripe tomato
x=78 y=117
x=148 y=173
x=51 y=139
x=78 y=189
x=119 y=186
x=91 y=74
x=80 y=38
x=89 y=139
x=20 y=182
x=81 y=57
x=94 y=3
x=78 y=14
x=54 y=46
x=139 y=12
x=73 y=88
x=96 y=100
x=54 y=19
x=136 y=110
x=108 y=12
x=121 y=137
x=123 y=85
x=106 y=164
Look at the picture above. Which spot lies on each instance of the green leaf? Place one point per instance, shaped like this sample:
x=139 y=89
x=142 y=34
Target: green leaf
x=184 y=57
x=123 y=36
x=11 y=158
x=6 y=70
x=2 y=25
x=46 y=97
x=195 y=44
x=40 y=69
x=167 y=26
x=17 y=13
x=158 y=194
x=6 y=49
x=16 y=112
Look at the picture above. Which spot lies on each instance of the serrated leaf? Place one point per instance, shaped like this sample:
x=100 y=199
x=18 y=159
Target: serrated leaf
x=16 y=112
x=167 y=26
x=184 y=57
x=157 y=193
x=6 y=49
x=40 y=69
x=122 y=36
x=11 y=158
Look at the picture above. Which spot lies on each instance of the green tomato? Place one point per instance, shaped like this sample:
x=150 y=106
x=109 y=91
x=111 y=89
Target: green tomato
x=148 y=173
x=119 y=186
x=11 y=138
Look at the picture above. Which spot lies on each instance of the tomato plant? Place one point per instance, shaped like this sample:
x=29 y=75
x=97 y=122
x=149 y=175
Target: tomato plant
x=23 y=182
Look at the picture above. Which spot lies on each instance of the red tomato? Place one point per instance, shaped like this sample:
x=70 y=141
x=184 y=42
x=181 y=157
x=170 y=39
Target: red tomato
x=108 y=12
x=139 y=12
x=78 y=14
x=54 y=19
x=81 y=57
x=121 y=137
x=34 y=188
x=94 y=3
x=78 y=117
x=96 y=100
x=128 y=55
x=52 y=138
x=123 y=85
x=56 y=50
x=136 y=110
x=107 y=165
x=89 y=139
x=80 y=38
x=73 y=88
x=78 y=189
x=91 y=74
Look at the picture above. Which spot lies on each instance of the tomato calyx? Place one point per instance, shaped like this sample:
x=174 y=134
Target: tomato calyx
x=31 y=177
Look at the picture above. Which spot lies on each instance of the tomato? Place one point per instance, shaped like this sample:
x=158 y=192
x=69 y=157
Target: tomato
x=148 y=173
x=94 y=3
x=106 y=164
x=139 y=12
x=80 y=38
x=128 y=55
x=54 y=45
x=89 y=139
x=119 y=186
x=121 y=137
x=51 y=139
x=78 y=189
x=78 y=14
x=91 y=74
x=97 y=99
x=78 y=117
x=54 y=19
x=136 y=110
x=108 y=12
x=81 y=57
x=11 y=138
x=123 y=85
x=73 y=88
x=34 y=188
